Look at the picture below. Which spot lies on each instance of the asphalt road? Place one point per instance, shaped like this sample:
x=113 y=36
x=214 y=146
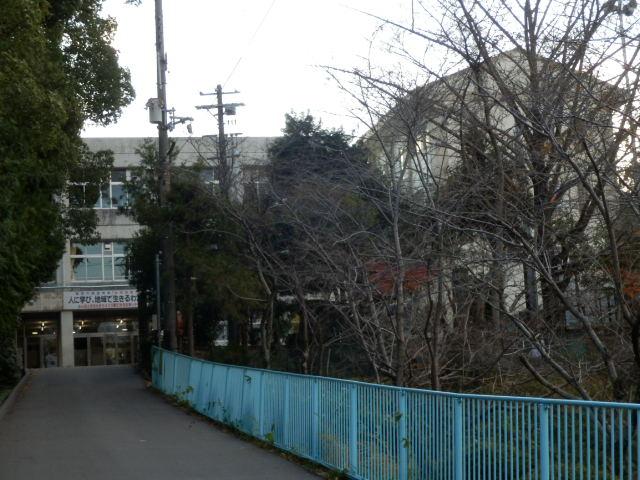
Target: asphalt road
x=102 y=423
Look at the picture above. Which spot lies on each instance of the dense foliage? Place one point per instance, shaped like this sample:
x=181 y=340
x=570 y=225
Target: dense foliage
x=57 y=70
x=307 y=151
x=211 y=278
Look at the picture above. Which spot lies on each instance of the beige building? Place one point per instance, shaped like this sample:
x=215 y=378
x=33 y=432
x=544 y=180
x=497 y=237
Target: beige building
x=87 y=314
x=434 y=136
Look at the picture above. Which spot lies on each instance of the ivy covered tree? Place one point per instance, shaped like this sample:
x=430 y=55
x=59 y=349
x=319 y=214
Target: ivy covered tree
x=57 y=70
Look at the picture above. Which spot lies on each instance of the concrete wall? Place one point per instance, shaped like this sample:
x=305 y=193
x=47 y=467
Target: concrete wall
x=45 y=300
x=65 y=338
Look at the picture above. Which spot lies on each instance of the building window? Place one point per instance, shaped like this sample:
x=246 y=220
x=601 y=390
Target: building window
x=110 y=196
x=207 y=175
x=255 y=183
x=113 y=194
x=104 y=261
x=81 y=194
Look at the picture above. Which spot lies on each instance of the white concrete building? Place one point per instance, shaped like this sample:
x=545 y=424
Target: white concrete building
x=87 y=314
x=428 y=134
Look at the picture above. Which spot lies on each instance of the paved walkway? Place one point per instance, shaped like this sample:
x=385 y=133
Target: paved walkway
x=100 y=423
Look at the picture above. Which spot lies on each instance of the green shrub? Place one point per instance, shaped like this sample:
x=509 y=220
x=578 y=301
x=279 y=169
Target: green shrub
x=9 y=369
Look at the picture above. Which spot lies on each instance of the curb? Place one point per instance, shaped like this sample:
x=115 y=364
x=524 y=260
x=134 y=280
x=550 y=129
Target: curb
x=11 y=399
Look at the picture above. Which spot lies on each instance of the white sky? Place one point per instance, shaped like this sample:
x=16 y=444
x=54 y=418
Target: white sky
x=279 y=71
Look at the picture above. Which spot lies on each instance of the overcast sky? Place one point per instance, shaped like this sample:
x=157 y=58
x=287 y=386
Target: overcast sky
x=280 y=44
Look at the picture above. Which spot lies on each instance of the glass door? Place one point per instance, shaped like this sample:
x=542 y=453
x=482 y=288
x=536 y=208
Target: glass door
x=97 y=350
x=50 y=350
x=33 y=352
x=110 y=349
x=80 y=353
x=124 y=349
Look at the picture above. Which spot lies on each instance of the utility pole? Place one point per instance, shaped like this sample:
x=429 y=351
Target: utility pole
x=222 y=142
x=168 y=250
x=158 y=300
x=224 y=165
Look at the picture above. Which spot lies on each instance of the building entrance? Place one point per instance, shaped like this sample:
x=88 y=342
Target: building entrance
x=40 y=343
x=101 y=338
x=92 y=349
x=42 y=351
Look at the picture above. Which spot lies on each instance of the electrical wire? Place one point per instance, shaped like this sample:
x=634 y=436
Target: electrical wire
x=253 y=36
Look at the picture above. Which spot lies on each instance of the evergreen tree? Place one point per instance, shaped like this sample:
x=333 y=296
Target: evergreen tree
x=57 y=69
x=211 y=278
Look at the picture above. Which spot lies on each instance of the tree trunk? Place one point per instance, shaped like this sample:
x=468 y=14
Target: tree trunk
x=245 y=330
x=266 y=336
x=189 y=315
x=304 y=310
x=305 y=341
x=401 y=348
x=496 y=283
x=435 y=356
x=531 y=291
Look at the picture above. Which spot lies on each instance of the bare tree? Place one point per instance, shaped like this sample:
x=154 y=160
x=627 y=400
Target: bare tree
x=520 y=140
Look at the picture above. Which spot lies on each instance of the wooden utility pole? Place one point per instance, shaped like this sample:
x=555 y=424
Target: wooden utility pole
x=224 y=165
x=168 y=247
x=222 y=144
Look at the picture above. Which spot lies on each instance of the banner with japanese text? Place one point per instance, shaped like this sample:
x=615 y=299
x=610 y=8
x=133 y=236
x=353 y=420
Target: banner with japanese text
x=100 y=299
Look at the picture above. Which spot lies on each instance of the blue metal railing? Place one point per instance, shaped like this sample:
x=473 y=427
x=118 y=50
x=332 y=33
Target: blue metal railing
x=379 y=432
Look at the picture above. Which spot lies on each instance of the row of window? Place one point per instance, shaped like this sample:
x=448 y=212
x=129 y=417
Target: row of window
x=114 y=194
x=105 y=261
x=111 y=195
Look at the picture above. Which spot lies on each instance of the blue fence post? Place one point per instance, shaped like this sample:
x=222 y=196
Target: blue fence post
x=458 y=438
x=261 y=406
x=209 y=413
x=315 y=417
x=223 y=408
x=285 y=413
x=353 y=429
x=198 y=389
x=241 y=419
x=175 y=368
x=186 y=389
x=163 y=383
x=403 y=441
x=544 y=442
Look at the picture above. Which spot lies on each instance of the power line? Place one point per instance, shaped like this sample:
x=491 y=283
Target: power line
x=253 y=36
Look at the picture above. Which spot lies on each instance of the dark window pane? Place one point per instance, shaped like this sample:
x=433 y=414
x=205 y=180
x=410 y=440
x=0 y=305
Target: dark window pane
x=98 y=203
x=118 y=196
x=119 y=248
x=94 y=268
x=120 y=268
x=108 y=268
x=79 y=269
x=105 y=196
x=118 y=176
